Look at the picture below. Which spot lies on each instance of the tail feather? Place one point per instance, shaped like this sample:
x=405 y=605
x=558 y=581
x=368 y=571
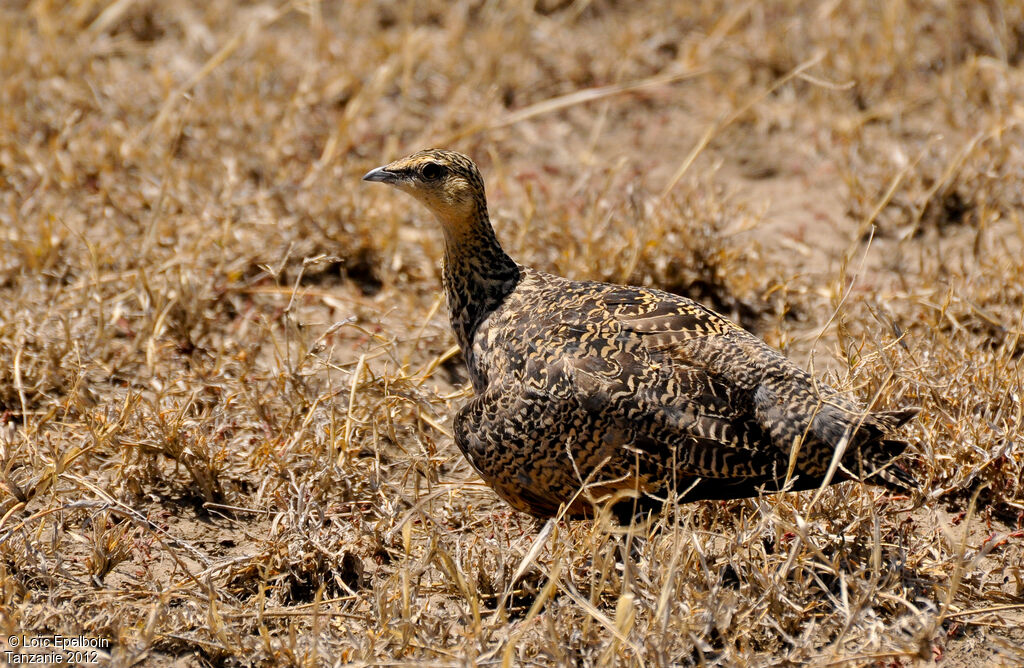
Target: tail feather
x=889 y=420
x=790 y=411
x=879 y=468
x=880 y=452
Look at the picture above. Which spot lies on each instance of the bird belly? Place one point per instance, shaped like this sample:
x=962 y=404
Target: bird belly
x=551 y=454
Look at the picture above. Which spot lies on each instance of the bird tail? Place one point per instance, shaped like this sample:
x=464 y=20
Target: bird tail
x=871 y=456
x=878 y=467
x=889 y=420
x=827 y=421
x=877 y=454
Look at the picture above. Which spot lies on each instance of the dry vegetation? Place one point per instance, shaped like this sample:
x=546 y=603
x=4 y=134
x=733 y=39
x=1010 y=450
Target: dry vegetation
x=226 y=380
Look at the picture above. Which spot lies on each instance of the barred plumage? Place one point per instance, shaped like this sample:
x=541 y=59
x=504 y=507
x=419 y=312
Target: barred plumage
x=605 y=387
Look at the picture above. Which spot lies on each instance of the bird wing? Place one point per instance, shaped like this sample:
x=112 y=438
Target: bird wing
x=625 y=364
x=778 y=405
x=677 y=414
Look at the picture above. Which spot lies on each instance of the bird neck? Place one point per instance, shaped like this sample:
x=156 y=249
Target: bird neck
x=477 y=275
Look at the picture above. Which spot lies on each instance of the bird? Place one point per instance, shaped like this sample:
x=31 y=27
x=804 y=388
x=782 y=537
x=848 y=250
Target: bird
x=586 y=391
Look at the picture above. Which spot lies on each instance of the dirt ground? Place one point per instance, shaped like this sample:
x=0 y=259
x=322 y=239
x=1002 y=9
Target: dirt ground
x=227 y=378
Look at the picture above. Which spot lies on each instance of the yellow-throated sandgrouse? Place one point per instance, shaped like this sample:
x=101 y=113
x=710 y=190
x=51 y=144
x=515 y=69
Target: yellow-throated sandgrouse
x=590 y=385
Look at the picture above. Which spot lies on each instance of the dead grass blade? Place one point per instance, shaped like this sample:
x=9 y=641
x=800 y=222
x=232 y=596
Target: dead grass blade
x=571 y=100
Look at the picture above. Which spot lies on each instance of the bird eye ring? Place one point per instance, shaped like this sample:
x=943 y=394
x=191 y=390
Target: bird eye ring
x=432 y=171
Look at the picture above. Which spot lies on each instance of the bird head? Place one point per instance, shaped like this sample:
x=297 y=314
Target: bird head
x=446 y=182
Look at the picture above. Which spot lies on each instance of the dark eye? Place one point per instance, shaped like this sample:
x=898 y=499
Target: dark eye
x=432 y=171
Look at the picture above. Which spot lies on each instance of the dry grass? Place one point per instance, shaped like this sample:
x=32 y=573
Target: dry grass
x=226 y=380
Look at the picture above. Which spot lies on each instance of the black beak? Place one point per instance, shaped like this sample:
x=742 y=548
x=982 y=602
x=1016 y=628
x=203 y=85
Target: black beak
x=381 y=175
